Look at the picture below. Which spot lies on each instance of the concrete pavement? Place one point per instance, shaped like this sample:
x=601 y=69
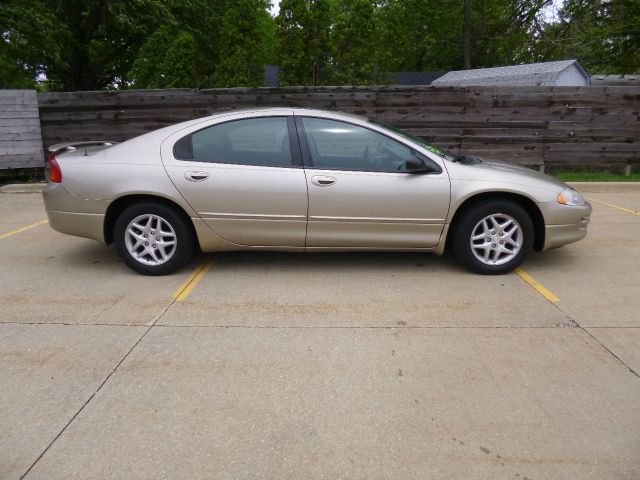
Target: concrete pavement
x=318 y=366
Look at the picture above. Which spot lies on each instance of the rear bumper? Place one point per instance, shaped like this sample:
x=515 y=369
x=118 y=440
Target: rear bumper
x=88 y=225
x=564 y=224
x=74 y=216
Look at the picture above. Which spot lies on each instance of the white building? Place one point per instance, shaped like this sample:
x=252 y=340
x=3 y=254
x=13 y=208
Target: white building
x=562 y=73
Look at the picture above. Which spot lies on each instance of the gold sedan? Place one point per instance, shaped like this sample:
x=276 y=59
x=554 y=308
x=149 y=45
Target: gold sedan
x=303 y=180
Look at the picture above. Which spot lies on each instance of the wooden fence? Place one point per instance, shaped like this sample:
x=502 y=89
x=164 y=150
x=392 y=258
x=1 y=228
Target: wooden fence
x=20 y=137
x=534 y=126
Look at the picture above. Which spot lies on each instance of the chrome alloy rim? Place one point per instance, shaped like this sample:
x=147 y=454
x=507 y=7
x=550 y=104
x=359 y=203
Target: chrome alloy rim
x=150 y=239
x=496 y=239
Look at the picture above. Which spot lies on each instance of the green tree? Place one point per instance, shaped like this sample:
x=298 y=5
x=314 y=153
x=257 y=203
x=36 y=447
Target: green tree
x=418 y=35
x=603 y=34
x=79 y=45
x=167 y=60
x=393 y=42
x=96 y=44
x=355 y=43
x=180 y=52
x=26 y=30
x=304 y=42
x=243 y=44
x=456 y=34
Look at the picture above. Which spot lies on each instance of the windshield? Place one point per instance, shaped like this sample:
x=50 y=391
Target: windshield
x=441 y=153
x=445 y=154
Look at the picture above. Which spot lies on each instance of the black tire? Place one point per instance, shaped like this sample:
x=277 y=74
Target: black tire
x=178 y=255
x=472 y=216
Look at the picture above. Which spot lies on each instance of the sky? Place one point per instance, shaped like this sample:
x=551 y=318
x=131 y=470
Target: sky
x=550 y=12
x=275 y=7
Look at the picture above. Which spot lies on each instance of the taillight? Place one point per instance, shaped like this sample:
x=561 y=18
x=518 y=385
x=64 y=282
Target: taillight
x=55 y=174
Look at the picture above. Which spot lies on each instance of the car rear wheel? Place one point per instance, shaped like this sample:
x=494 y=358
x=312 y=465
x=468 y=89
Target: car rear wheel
x=494 y=237
x=153 y=239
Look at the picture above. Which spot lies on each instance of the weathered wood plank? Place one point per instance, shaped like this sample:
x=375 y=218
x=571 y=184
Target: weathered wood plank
x=17 y=97
x=23 y=107
x=6 y=137
x=21 y=161
x=525 y=125
x=20 y=133
x=24 y=122
x=18 y=114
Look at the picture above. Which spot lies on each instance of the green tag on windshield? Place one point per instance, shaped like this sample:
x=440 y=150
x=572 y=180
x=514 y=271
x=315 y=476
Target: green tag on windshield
x=435 y=150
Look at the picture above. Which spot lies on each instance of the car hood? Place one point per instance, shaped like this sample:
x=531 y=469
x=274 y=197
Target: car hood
x=527 y=172
x=498 y=176
x=516 y=174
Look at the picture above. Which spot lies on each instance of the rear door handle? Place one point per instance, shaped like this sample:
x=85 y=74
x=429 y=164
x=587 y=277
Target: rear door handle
x=196 y=176
x=322 y=180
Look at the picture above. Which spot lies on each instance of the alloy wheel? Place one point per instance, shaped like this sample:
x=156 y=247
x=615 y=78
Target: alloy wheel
x=150 y=239
x=496 y=239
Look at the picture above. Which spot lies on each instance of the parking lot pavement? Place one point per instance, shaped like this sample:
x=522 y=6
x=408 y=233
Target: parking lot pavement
x=47 y=373
x=604 y=291
x=623 y=342
x=357 y=403
x=618 y=201
x=318 y=366
x=53 y=278
x=18 y=210
x=357 y=290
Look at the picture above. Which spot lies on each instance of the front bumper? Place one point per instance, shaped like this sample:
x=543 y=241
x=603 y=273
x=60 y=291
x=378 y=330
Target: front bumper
x=564 y=224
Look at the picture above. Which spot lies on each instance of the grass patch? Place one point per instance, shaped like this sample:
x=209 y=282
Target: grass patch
x=21 y=175
x=596 y=177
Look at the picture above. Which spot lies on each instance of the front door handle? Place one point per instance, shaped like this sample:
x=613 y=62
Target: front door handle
x=322 y=180
x=196 y=176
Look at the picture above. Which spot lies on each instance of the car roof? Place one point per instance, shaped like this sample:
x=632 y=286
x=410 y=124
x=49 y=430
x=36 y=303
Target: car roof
x=301 y=111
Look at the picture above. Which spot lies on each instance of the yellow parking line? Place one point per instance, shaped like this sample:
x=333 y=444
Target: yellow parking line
x=22 y=229
x=190 y=283
x=537 y=286
x=628 y=210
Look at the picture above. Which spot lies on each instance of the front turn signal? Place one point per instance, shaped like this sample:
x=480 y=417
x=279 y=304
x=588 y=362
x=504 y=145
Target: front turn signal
x=570 y=197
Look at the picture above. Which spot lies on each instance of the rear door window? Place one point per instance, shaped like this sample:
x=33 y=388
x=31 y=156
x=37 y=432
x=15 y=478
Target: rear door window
x=255 y=141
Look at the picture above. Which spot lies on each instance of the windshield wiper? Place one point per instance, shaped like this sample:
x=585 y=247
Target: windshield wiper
x=463 y=158
x=453 y=156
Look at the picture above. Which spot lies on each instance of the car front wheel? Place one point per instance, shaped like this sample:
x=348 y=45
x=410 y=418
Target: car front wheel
x=153 y=239
x=494 y=237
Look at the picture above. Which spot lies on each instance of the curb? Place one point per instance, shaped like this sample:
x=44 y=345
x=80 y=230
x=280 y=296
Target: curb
x=606 y=187
x=23 y=188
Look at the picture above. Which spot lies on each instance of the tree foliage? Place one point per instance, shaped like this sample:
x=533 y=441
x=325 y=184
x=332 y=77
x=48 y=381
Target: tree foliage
x=77 y=44
x=166 y=60
x=243 y=43
x=603 y=34
x=181 y=51
x=304 y=41
x=97 y=44
x=355 y=43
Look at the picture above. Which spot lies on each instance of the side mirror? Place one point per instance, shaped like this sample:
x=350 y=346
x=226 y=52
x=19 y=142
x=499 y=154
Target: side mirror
x=415 y=164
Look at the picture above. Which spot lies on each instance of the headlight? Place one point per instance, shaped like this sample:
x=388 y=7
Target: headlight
x=570 y=197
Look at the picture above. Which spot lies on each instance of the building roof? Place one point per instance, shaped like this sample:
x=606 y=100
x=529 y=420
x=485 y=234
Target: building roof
x=527 y=70
x=416 y=78
x=616 y=80
x=271 y=73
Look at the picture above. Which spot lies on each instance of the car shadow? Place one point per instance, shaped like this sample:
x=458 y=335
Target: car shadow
x=92 y=255
x=365 y=261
